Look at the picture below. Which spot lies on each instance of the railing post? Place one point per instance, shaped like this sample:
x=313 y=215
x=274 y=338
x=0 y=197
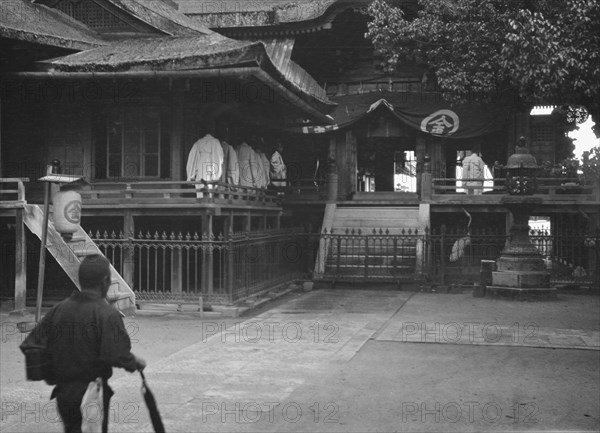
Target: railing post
x=339 y=255
x=395 y=256
x=207 y=255
x=176 y=266
x=366 y=254
x=230 y=265
x=128 y=251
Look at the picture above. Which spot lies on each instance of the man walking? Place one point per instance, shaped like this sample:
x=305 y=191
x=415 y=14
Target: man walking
x=85 y=338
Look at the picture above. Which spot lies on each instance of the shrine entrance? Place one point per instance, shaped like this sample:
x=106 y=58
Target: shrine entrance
x=386 y=165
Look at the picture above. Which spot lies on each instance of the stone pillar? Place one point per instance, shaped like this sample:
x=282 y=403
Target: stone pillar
x=521 y=270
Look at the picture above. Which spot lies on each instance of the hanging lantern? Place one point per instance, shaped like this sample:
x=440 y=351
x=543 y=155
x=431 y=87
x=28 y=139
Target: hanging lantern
x=67 y=213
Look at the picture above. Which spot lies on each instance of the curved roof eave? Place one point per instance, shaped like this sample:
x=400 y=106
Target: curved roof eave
x=203 y=55
x=287 y=18
x=26 y=21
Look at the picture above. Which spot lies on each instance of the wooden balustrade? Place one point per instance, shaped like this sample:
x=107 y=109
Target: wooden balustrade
x=170 y=193
x=552 y=190
x=12 y=196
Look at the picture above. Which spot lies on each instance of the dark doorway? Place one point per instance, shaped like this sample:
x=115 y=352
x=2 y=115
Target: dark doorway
x=386 y=165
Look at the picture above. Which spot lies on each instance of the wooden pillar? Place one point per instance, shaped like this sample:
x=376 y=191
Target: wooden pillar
x=438 y=159
x=176 y=137
x=420 y=152
x=128 y=270
x=278 y=221
x=346 y=149
x=424 y=224
x=247 y=223
x=263 y=222
x=20 y=265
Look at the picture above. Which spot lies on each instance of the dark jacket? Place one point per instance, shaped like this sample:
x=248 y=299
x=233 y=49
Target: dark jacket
x=85 y=338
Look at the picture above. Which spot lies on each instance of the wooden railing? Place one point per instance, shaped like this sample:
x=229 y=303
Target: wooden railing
x=169 y=193
x=551 y=189
x=459 y=186
x=13 y=196
x=306 y=187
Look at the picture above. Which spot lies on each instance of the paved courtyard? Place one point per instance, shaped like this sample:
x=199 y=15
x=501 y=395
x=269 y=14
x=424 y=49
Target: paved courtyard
x=351 y=360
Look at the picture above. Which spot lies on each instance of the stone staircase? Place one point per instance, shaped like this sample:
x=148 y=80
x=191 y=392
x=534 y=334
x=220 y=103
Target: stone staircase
x=370 y=243
x=69 y=255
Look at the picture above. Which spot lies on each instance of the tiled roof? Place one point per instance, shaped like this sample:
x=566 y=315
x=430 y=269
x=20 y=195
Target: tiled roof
x=159 y=54
x=227 y=13
x=23 y=20
x=202 y=7
x=161 y=16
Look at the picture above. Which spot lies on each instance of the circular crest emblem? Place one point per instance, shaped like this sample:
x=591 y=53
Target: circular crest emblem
x=441 y=122
x=72 y=211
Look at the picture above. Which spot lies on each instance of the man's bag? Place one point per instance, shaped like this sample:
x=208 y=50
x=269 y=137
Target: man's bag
x=92 y=408
x=38 y=361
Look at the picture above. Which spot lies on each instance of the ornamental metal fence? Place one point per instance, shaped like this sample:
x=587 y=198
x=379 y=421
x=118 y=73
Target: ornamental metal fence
x=376 y=254
x=451 y=256
x=182 y=267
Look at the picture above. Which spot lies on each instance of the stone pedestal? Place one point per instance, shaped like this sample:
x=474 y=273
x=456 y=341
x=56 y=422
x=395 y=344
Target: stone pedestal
x=520 y=270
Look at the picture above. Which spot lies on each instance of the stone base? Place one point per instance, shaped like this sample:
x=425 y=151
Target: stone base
x=521 y=262
x=522 y=293
x=521 y=279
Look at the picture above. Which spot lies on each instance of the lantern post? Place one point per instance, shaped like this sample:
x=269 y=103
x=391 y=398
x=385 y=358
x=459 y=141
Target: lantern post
x=52 y=176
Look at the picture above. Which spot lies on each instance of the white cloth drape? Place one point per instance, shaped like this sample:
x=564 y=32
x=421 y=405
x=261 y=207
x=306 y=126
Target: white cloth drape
x=205 y=160
x=278 y=170
x=473 y=168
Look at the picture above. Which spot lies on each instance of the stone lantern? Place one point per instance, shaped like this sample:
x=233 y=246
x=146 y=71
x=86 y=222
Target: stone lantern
x=520 y=270
x=521 y=171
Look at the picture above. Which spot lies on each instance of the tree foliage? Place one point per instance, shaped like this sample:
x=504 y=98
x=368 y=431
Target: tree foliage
x=591 y=164
x=541 y=51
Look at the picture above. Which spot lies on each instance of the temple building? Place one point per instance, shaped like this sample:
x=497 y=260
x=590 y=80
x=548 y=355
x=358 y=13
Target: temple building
x=119 y=91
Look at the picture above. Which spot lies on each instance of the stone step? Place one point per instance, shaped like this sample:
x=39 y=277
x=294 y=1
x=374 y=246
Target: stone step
x=370 y=261
x=372 y=251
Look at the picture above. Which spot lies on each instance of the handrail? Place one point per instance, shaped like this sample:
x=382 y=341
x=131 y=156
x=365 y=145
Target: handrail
x=170 y=189
x=20 y=191
x=545 y=185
